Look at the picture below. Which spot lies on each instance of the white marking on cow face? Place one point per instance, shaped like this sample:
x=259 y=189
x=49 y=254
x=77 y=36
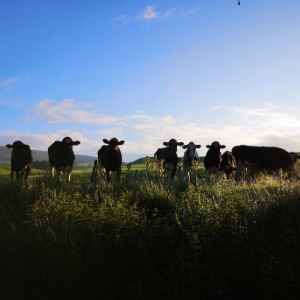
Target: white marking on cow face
x=67 y=140
x=192 y=148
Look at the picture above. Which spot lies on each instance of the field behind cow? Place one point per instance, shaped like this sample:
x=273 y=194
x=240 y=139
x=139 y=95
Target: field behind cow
x=149 y=237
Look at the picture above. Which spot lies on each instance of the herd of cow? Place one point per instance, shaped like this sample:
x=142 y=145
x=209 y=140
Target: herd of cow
x=61 y=158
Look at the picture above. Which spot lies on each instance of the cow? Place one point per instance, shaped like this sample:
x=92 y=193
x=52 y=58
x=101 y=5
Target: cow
x=110 y=158
x=21 y=160
x=228 y=164
x=213 y=158
x=190 y=156
x=168 y=155
x=61 y=157
x=267 y=159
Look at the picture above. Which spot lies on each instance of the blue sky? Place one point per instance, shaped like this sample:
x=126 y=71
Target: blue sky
x=146 y=72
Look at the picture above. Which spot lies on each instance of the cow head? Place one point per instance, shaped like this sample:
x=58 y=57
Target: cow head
x=19 y=150
x=114 y=143
x=216 y=146
x=172 y=144
x=191 y=152
x=17 y=145
x=67 y=141
x=294 y=158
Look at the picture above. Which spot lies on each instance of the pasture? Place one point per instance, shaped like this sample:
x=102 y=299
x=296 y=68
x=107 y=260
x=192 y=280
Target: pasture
x=148 y=237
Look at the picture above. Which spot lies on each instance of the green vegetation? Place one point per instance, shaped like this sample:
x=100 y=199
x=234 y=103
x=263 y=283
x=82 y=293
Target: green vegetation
x=149 y=237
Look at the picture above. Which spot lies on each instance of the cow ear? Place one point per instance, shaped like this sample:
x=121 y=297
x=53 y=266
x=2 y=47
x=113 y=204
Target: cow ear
x=9 y=146
x=223 y=146
x=198 y=146
x=121 y=142
x=105 y=141
x=184 y=146
x=76 y=143
x=208 y=146
x=180 y=143
x=165 y=143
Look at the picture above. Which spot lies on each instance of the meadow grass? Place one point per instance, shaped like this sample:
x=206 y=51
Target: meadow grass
x=149 y=237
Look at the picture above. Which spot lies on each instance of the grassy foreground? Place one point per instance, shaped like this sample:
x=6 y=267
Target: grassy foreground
x=149 y=238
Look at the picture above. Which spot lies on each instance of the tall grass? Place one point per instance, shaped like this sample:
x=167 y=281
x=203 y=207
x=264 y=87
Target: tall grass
x=149 y=238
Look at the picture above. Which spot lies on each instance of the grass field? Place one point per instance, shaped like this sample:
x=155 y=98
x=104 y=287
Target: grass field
x=148 y=237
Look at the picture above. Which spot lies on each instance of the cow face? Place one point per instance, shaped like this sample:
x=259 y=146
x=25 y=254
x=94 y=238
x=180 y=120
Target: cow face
x=191 y=152
x=67 y=141
x=114 y=143
x=173 y=145
x=216 y=146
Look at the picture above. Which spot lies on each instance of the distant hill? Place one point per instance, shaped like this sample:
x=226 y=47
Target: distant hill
x=143 y=160
x=5 y=154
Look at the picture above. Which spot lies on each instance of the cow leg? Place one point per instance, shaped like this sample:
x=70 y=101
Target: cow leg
x=173 y=171
x=107 y=176
x=68 y=176
x=187 y=175
x=118 y=174
x=52 y=171
x=18 y=175
x=27 y=172
x=208 y=175
x=102 y=173
x=11 y=173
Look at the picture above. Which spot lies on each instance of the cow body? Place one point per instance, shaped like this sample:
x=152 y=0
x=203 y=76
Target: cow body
x=266 y=158
x=168 y=156
x=21 y=159
x=61 y=157
x=213 y=158
x=189 y=158
x=228 y=164
x=110 y=158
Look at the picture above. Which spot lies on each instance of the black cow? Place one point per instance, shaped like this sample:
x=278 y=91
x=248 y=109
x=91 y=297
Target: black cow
x=189 y=156
x=61 y=156
x=228 y=164
x=168 y=155
x=21 y=159
x=266 y=158
x=110 y=158
x=213 y=158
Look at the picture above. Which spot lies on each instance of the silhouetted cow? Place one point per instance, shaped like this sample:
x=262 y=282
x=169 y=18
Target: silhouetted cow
x=228 y=164
x=61 y=157
x=110 y=158
x=21 y=159
x=266 y=158
x=189 y=157
x=168 y=155
x=213 y=158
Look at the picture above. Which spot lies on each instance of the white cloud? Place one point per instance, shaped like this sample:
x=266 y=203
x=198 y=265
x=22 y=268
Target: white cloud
x=268 y=125
x=67 y=111
x=149 y=13
x=9 y=81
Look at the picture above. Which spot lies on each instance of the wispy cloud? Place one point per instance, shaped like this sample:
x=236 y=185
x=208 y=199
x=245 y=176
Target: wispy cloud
x=122 y=20
x=216 y=107
x=187 y=12
x=149 y=13
x=9 y=81
x=168 y=13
